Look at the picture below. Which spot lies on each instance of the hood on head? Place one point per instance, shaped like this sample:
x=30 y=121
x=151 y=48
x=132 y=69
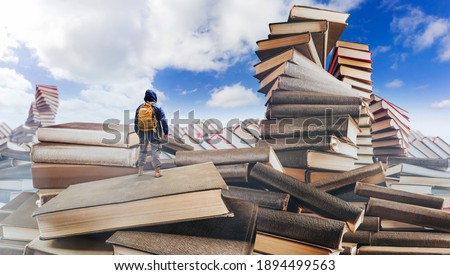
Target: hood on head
x=150 y=96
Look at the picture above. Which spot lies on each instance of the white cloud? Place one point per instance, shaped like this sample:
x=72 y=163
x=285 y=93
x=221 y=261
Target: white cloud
x=342 y=5
x=444 y=104
x=188 y=92
x=396 y=83
x=381 y=49
x=232 y=97
x=16 y=97
x=418 y=30
x=7 y=46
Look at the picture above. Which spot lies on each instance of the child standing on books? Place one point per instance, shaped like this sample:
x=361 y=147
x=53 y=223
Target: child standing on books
x=150 y=123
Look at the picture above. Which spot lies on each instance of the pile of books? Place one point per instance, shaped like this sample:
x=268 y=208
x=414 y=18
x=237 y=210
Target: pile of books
x=421 y=146
x=351 y=63
x=304 y=100
x=33 y=119
x=391 y=129
x=47 y=102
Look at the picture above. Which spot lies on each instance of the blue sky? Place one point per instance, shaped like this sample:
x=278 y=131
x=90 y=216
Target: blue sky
x=198 y=55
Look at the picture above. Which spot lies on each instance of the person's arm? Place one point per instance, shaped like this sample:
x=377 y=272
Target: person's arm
x=165 y=126
x=136 y=128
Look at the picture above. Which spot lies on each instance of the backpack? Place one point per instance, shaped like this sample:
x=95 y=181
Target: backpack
x=147 y=118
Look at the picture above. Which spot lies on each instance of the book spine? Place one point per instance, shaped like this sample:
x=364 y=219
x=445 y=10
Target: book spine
x=415 y=239
x=350 y=177
x=234 y=172
x=223 y=157
x=368 y=190
x=89 y=155
x=316 y=200
x=370 y=224
x=294 y=159
x=304 y=110
x=315 y=230
x=359 y=237
x=266 y=199
x=301 y=97
x=321 y=143
x=86 y=137
x=412 y=214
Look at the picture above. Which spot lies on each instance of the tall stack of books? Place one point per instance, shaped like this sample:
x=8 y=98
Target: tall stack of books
x=304 y=99
x=391 y=129
x=421 y=146
x=47 y=102
x=351 y=63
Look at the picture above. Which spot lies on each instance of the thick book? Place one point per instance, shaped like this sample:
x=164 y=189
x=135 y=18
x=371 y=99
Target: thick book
x=218 y=236
x=442 y=144
x=437 y=164
x=316 y=200
x=234 y=172
x=99 y=134
x=340 y=60
x=172 y=145
x=311 y=98
x=370 y=223
x=341 y=126
x=263 y=198
x=362 y=88
x=304 y=76
x=318 y=30
x=408 y=213
x=311 y=159
x=76 y=245
x=269 y=244
x=402 y=250
x=16 y=184
x=20 y=225
x=419 y=145
x=230 y=156
x=435 y=148
x=375 y=170
x=49 y=175
x=414 y=239
x=302 y=42
x=337 y=21
x=359 y=237
x=183 y=193
x=373 y=191
x=328 y=143
x=12 y=205
x=314 y=230
x=81 y=154
x=281 y=111
x=354 y=73
x=414 y=170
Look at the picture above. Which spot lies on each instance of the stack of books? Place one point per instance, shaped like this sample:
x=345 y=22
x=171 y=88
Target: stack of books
x=303 y=99
x=351 y=63
x=47 y=102
x=73 y=153
x=5 y=131
x=391 y=129
x=24 y=135
x=421 y=146
x=33 y=119
x=420 y=175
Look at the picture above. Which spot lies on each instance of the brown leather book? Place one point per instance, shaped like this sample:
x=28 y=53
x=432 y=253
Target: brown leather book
x=369 y=190
x=235 y=236
x=20 y=225
x=310 y=197
x=183 y=193
x=408 y=213
x=309 y=229
x=280 y=111
x=350 y=177
x=359 y=237
x=234 y=172
x=76 y=245
x=370 y=223
x=263 y=198
x=415 y=239
x=230 y=156
x=51 y=175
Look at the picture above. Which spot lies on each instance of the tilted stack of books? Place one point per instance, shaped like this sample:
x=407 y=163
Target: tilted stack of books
x=421 y=146
x=391 y=129
x=33 y=119
x=47 y=103
x=351 y=63
x=311 y=117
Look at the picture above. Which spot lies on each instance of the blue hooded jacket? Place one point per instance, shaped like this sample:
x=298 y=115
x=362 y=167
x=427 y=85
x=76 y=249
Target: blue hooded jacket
x=150 y=96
